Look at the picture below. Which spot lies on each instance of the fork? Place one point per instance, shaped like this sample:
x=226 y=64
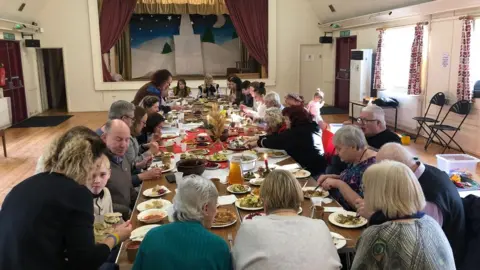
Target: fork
x=230 y=240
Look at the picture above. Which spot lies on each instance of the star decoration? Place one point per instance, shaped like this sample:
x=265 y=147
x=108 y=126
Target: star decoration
x=169 y=18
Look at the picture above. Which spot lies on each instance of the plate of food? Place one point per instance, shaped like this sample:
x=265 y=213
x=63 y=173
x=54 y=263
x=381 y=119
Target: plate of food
x=224 y=218
x=112 y=218
x=166 y=167
x=308 y=192
x=277 y=154
x=139 y=233
x=250 y=175
x=257 y=181
x=237 y=144
x=252 y=216
x=197 y=152
x=211 y=165
x=238 y=189
x=101 y=230
x=226 y=152
x=217 y=157
x=153 y=204
x=299 y=174
x=249 y=202
x=152 y=216
x=156 y=191
x=338 y=240
x=347 y=219
x=169 y=136
x=255 y=191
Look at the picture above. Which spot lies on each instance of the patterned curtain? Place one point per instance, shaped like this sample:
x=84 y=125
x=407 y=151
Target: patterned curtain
x=377 y=79
x=464 y=92
x=414 y=79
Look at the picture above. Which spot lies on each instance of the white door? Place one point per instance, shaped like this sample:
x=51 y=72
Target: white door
x=311 y=73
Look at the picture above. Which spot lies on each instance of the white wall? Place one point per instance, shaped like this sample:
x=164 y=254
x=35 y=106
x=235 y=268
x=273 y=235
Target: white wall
x=444 y=37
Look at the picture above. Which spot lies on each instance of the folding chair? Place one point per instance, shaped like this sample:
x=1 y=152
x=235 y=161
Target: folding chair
x=462 y=107
x=439 y=100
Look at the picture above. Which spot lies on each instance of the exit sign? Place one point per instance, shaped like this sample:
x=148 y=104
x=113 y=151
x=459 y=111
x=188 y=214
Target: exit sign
x=8 y=36
x=345 y=33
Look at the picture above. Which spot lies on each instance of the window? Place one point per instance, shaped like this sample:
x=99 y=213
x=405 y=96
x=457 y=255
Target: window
x=397 y=47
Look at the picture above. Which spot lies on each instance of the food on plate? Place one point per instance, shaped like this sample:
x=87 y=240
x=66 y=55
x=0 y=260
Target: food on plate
x=348 y=219
x=158 y=190
x=277 y=154
x=169 y=136
x=256 y=192
x=101 y=230
x=217 y=157
x=191 y=156
x=237 y=143
x=249 y=175
x=317 y=193
x=161 y=166
x=211 y=165
x=112 y=218
x=224 y=217
x=246 y=158
x=164 y=154
x=252 y=215
x=257 y=181
x=238 y=188
x=198 y=152
x=301 y=173
x=251 y=201
x=154 y=216
x=154 y=204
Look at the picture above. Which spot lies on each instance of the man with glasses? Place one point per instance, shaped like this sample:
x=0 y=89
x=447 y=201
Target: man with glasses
x=121 y=110
x=372 y=122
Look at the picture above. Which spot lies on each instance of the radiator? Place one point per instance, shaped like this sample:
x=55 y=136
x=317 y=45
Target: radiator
x=5 y=113
x=410 y=106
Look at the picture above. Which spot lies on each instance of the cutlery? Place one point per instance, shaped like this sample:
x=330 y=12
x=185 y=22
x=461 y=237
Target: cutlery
x=316 y=188
x=230 y=240
x=341 y=238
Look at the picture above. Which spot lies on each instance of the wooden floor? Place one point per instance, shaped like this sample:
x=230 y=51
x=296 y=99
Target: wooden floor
x=25 y=145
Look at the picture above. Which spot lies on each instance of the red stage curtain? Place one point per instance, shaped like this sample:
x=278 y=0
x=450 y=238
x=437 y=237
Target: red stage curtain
x=250 y=18
x=114 y=17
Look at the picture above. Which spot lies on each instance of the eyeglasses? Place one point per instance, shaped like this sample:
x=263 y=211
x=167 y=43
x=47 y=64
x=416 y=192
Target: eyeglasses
x=363 y=121
x=129 y=117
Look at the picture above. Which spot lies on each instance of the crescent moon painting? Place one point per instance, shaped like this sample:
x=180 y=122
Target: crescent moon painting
x=220 y=21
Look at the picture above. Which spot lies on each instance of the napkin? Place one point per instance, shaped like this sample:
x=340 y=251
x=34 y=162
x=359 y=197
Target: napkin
x=319 y=201
x=227 y=199
x=332 y=209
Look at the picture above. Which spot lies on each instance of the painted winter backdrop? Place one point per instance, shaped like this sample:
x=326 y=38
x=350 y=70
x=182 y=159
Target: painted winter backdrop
x=184 y=44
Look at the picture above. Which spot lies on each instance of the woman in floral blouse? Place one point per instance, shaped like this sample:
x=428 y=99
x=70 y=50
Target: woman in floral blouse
x=351 y=146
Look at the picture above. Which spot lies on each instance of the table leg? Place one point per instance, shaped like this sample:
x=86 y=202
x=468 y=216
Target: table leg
x=4 y=142
x=396 y=116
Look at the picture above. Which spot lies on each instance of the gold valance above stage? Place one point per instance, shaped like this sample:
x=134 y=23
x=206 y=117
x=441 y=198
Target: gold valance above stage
x=203 y=7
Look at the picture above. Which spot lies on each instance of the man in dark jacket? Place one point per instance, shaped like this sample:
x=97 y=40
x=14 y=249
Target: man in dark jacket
x=443 y=201
x=117 y=138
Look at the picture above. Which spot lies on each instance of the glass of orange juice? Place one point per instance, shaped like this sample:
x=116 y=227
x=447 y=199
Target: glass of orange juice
x=235 y=176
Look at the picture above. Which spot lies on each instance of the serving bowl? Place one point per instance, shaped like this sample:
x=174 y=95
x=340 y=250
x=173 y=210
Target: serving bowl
x=191 y=166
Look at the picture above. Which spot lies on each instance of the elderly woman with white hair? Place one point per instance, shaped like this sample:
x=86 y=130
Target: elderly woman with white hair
x=283 y=239
x=400 y=236
x=272 y=100
x=186 y=243
x=274 y=120
x=351 y=146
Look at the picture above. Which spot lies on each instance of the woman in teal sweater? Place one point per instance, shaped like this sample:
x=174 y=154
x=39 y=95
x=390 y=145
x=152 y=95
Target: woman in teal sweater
x=186 y=243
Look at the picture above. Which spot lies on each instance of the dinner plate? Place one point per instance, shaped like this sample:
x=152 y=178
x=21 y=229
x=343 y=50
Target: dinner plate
x=161 y=215
x=198 y=152
x=225 y=225
x=148 y=192
x=139 y=233
x=169 y=136
x=143 y=206
x=248 y=189
x=172 y=165
x=277 y=154
x=226 y=152
x=325 y=193
x=338 y=240
x=299 y=174
x=256 y=181
x=213 y=168
x=209 y=158
x=237 y=204
x=333 y=216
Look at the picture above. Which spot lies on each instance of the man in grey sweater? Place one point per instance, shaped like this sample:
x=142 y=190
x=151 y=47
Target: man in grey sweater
x=117 y=138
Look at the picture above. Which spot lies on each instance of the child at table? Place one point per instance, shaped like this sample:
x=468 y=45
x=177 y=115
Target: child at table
x=315 y=105
x=102 y=200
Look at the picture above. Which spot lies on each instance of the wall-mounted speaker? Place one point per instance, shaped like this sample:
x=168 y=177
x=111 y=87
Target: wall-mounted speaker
x=326 y=40
x=35 y=43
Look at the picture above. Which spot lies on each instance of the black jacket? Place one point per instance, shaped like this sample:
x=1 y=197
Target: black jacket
x=471 y=204
x=303 y=143
x=45 y=220
x=439 y=190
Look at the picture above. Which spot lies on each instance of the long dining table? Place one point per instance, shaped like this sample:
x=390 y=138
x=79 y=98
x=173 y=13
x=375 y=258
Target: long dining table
x=352 y=235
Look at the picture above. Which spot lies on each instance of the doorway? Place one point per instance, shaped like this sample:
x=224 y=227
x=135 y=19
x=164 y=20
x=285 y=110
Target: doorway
x=11 y=60
x=342 y=70
x=51 y=75
x=311 y=70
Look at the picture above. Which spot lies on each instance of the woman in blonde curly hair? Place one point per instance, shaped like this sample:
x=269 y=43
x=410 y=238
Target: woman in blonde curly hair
x=47 y=219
